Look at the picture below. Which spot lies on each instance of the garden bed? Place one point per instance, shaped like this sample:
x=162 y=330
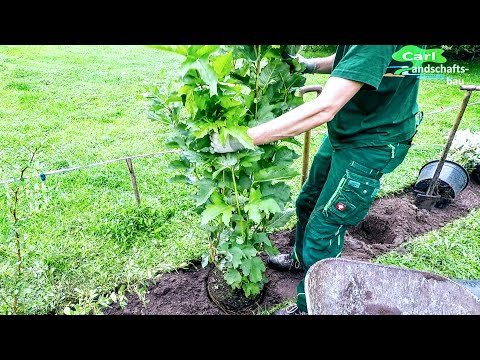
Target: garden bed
x=391 y=221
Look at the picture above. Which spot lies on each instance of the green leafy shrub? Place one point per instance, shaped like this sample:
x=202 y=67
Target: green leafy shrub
x=240 y=196
x=26 y=198
x=465 y=52
x=465 y=149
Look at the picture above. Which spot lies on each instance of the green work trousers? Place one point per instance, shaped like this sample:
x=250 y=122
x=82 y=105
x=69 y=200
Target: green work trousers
x=340 y=189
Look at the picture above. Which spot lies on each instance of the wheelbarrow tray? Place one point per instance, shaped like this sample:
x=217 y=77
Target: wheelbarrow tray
x=338 y=286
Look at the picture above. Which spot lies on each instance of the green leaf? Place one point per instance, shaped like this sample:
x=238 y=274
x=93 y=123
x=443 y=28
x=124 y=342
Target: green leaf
x=291 y=49
x=179 y=49
x=178 y=164
x=285 y=156
x=279 y=191
x=212 y=211
x=281 y=219
x=275 y=173
x=260 y=238
x=202 y=50
x=245 y=51
x=192 y=156
x=292 y=141
x=225 y=161
x=249 y=161
x=229 y=102
x=179 y=179
x=249 y=251
x=237 y=255
x=190 y=103
x=246 y=289
x=232 y=199
x=205 y=189
x=257 y=205
x=240 y=133
x=158 y=117
x=205 y=258
x=202 y=129
x=244 y=182
x=246 y=266
x=257 y=269
x=228 y=160
x=265 y=114
x=190 y=75
x=223 y=64
x=250 y=289
x=239 y=239
x=206 y=72
x=217 y=198
x=233 y=278
x=185 y=90
x=268 y=74
x=294 y=80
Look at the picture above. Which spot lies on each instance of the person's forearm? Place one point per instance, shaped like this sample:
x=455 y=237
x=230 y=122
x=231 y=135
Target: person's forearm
x=323 y=65
x=301 y=119
x=336 y=94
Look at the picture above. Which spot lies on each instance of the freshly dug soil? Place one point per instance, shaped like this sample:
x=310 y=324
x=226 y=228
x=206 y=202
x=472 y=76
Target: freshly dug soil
x=390 y=222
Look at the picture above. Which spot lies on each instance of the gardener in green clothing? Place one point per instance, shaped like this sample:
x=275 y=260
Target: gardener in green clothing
x=371 y=117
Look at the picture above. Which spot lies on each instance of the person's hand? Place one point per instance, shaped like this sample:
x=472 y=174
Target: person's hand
x=308 y=63
x=231 y=144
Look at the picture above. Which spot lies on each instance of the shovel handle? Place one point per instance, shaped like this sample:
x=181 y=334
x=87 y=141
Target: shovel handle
x=310 y=88
x=470 y=87
x=306 y=139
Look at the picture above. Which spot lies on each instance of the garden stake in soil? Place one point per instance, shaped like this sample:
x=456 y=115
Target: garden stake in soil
x=431 y=196
x=306 y=141
x=133 y=179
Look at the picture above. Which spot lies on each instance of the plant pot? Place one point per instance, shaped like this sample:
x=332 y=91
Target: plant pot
x=453 y=179
x=232 y=302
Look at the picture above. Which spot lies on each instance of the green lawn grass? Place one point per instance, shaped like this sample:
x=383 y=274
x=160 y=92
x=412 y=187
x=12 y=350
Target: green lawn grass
x=85 y=104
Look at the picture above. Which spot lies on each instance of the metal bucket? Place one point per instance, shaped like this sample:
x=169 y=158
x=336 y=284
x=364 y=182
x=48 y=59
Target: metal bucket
x=453 y=179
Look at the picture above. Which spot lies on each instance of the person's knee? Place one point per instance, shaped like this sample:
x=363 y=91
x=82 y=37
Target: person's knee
x=323 y=249
x=321 y=245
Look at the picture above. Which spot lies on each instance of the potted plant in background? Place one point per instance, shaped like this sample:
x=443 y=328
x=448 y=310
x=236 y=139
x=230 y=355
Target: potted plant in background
x=465 y=150
x=240 y=196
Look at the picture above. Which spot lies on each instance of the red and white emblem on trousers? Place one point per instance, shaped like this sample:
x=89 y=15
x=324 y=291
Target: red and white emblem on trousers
x=340 y=206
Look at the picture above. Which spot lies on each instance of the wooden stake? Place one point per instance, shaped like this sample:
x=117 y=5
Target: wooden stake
x=306 y=156
x=306 y=138
x=133 y=179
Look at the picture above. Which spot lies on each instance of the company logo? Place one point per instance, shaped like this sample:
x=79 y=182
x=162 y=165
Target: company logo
x=340 y=206
x=418 y=57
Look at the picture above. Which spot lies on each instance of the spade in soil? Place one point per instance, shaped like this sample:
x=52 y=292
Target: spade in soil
x=439 y=190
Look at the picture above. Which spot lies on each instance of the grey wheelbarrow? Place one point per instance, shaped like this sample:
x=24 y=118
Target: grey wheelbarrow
x=337 y=286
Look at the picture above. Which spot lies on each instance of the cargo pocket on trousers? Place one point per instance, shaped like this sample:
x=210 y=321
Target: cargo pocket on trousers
x=352 y=199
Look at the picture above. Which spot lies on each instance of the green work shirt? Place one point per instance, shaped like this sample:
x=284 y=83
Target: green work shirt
x=384 y=110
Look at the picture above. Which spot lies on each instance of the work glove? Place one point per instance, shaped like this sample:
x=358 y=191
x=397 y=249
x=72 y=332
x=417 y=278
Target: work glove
x=231 y=144
x=308 y=63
